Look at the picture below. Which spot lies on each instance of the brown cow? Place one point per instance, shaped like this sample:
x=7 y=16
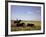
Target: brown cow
x=20 y=24
x=30 y=25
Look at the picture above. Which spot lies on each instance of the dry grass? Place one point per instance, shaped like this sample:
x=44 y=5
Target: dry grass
x=37 y=26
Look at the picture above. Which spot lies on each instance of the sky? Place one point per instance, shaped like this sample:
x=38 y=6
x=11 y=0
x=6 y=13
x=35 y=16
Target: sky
x=19 y=12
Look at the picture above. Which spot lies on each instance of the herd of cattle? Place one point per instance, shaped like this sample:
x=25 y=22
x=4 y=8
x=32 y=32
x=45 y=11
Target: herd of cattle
x=18 y=24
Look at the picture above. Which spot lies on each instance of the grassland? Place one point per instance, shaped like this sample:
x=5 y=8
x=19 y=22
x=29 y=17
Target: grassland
x=37 y=26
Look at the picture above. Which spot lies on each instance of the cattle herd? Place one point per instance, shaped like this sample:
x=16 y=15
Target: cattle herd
x=18 y=24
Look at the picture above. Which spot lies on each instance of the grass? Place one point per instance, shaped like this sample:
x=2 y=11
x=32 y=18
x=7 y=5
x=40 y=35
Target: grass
x=37 y=26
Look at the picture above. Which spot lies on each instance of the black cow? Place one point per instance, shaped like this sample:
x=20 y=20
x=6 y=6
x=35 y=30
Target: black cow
x=20 y=24
x=17 y=21
x=30 y=25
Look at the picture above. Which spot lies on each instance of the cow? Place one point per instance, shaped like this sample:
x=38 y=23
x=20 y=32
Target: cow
x=17 y=21
x=20 y=24
x=30 y=25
